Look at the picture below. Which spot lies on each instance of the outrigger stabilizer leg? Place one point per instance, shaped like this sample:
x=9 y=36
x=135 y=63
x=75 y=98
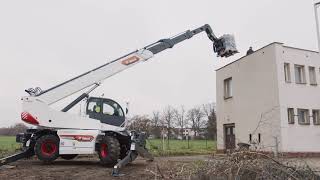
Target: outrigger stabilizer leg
x=27 y=148
x=24 y=154
x=138 y=143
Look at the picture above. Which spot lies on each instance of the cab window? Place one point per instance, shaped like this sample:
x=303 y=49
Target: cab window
x=94 y=107
x=107 y=109
x=112 y=109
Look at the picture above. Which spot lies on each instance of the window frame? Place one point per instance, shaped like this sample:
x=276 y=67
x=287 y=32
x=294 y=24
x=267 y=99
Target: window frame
x=291 y=117
x=287 y=72
x=302 y=74
x=313 y=81
x=306 y=116
x=227 y=88
x=316 y=120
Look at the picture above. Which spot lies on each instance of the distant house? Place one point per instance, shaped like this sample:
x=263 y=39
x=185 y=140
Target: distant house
x=178 y=133
x=271 y=100
x=201 y=134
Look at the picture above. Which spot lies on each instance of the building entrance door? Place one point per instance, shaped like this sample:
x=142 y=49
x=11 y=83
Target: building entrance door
x=229 y=134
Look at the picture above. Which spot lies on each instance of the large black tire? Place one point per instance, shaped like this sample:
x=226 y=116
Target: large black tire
x=123 y=151
x=109 y=151
x=47 y=148
x=68 y=156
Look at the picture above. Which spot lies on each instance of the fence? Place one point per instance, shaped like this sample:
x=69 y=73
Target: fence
x=160 y=147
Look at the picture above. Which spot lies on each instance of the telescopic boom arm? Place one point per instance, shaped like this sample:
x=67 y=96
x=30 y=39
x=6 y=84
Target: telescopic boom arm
x=219 y=45
x=223 y=46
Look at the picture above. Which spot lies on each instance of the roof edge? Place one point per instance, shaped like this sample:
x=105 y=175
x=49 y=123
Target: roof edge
x=263 y=48
x=301 y=49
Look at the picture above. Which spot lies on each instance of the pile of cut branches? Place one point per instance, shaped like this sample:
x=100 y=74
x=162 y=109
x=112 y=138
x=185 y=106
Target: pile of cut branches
x=253 y=165
x=238 y=165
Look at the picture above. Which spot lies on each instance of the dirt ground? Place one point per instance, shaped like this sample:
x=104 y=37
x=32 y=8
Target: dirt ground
x=89 y=168
x=85 y=168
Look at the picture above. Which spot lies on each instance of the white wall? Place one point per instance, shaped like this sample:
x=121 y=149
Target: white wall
x=255 y=97
x=260 y=90
x=296 y=137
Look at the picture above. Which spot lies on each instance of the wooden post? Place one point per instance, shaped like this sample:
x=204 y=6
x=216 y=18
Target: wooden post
x=186 y=133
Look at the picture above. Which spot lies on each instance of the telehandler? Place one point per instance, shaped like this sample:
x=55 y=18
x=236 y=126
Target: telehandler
x=102 y=130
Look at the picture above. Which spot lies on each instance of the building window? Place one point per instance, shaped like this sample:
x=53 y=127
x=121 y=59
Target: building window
x=290 y=115
x=300 y=74
x=312 y=75
x=303 y=116
x=316 y=116
x=228 y=88
x=287 y=75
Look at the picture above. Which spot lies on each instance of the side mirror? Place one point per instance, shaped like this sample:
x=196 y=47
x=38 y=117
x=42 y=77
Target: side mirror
x=127 y=109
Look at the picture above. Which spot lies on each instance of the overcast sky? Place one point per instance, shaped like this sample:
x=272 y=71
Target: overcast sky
x=43 y=43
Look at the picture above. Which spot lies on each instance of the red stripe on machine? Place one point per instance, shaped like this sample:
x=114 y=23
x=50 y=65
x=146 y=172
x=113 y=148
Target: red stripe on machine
x=80 y=138
x=28 y=118
x=130 y=60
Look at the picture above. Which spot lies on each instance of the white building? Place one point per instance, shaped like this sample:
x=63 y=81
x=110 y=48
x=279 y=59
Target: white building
x=270 y=99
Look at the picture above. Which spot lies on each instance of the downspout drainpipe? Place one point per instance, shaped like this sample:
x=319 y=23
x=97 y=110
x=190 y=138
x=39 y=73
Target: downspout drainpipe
x=316 y=5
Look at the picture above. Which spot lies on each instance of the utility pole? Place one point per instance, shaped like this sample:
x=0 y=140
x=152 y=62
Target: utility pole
x=316 y=6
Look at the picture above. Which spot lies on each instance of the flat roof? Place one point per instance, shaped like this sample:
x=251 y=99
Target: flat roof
x=263 y=48
x=301 y=49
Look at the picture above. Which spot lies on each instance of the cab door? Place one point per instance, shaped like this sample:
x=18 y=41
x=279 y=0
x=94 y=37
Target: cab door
x=94 y=108
x=112 y=113
x=105 y=110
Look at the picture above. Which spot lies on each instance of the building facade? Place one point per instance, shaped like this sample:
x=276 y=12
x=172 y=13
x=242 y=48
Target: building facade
x=271 y=100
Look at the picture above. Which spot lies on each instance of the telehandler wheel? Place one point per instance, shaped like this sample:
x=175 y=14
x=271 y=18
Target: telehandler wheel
x=123 y=151
x=109 y=151
x=68 y=156
x=47 y=148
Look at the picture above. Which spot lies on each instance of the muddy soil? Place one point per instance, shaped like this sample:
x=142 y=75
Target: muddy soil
x=89 y=168
x=86 y=168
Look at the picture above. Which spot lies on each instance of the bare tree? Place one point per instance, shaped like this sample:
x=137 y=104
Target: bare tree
x=156 y=118
x=180 y=119
x=209 y=111
x=140 y=123
x=13 y=130
x=156 y=124
x=168 y=118
x=195 y=116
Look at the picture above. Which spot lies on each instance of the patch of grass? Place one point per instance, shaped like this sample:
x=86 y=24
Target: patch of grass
x=8 y=145
x=180 y=147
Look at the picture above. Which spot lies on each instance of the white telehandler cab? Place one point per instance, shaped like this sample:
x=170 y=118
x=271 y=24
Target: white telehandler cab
x=101 y=131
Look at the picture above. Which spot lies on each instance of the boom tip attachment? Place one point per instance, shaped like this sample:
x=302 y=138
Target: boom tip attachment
x=225 y=46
